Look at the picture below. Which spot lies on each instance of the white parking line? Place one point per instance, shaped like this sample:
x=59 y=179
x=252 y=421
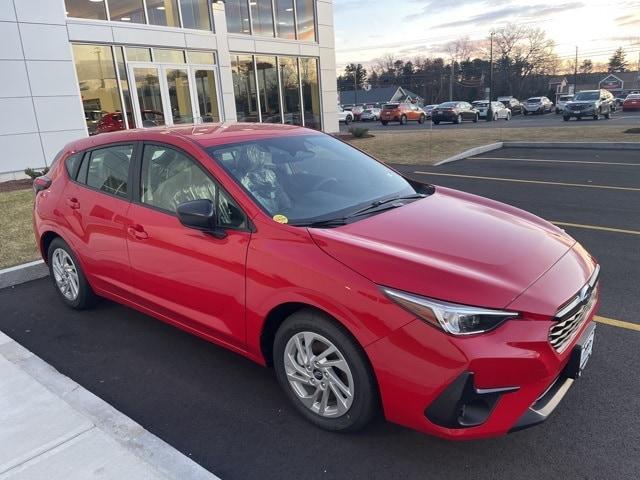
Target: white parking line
x=553 y=161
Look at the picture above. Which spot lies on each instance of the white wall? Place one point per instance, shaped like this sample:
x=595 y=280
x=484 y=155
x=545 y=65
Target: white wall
x=40 y=107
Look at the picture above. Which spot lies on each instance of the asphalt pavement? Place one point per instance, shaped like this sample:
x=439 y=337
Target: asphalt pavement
x=618 y=118
x=229 y=415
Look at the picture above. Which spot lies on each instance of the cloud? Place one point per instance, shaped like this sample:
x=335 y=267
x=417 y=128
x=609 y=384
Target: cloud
x=630 y=20
x=512 y=11
x=429 y=7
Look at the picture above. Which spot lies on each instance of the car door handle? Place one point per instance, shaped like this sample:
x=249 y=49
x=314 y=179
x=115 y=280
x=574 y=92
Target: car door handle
x=73 y=202
x=137 y=231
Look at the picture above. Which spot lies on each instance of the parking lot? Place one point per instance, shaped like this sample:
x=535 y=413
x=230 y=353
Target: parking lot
x=229 y=415
x=618 y=118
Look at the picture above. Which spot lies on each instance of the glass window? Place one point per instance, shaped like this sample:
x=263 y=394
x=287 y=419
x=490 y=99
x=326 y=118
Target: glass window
x=179 y=95
x=308 y=178
x=284 y=19
x=98 y=84
x=127 y=11
x=290 y=90
x=109 y=169
x=84 y=9
x=195 y=14
x=136 y=54
x=306 y=20
x=170 y=178
x=244 y=88
x=201 y=58
x=163 y=55
x=163 y=12
x=310 y=92
x=268 y=88
x=237 y=13
x=72 y=163
x=124 y=87
x=262 y=17
x=207 y=99
x=147 y=83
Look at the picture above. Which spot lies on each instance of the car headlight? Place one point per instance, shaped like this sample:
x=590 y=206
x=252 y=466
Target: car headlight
x=451 y=317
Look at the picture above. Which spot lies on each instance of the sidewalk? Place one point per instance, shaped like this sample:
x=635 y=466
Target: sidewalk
x=53 y=429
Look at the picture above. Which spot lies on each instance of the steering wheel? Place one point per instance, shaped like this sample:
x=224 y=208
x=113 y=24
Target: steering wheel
x=323 y=182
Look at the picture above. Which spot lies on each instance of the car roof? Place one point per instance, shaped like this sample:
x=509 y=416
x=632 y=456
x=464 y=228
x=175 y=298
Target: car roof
x=205 y=135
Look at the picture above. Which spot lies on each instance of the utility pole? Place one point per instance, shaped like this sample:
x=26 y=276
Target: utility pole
x=355 y=86
x=451 y=82
x=575 y=74
x=490 y=110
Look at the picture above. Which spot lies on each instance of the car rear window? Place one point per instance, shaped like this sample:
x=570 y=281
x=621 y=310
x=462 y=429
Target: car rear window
x=391 y=106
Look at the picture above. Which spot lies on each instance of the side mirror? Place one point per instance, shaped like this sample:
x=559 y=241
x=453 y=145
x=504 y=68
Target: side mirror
x=200 y=215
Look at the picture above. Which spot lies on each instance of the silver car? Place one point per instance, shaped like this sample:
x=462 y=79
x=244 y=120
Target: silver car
x=562 y=101
x=498 y=108
x=537 y=105
x=370 y=115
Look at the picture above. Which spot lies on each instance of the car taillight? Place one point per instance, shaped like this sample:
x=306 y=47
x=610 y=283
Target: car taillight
x=41 y=183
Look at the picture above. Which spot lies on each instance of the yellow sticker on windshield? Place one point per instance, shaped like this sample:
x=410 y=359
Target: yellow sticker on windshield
x=280 y=219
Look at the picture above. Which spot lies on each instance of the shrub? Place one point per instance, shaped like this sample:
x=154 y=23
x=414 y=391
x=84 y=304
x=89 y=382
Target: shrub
x=30 y=172
x=632 y=130
x=359 y=132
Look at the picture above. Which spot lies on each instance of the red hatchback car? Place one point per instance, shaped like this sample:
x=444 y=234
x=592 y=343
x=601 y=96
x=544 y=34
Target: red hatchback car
x=451 y=314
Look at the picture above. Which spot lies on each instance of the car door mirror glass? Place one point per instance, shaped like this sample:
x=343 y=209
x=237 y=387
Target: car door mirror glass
x=200 y=215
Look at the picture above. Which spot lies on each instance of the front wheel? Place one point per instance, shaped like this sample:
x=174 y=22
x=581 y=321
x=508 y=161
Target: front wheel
x=347 y=120
x=525 y=113
x=436 y=122
x=596 y=116
x=403 y=120
x=607 y=116
x=566 y=118
x=324 y=373
x=508 y=117
x=385 y=123
x=421 y=119
x=67 y=276
x=458 y=119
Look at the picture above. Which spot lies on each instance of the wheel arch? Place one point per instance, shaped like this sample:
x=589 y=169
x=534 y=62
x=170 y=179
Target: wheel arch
x=45 y=241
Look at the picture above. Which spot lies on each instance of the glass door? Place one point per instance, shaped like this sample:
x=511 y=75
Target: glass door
x=179 y=93
x=206 y=106
x=149 y=103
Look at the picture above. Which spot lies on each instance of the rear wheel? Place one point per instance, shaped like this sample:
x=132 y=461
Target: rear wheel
x=421 y=119
x=347 y=120
x=385 y=123
x=67 y=276
x=566 y=118
x=476 y=118
x=436 y=122
x=608 y=115
x=324 y=373
x=403 y=120
x=596 y=116
x=458 y=119
x=508 y=117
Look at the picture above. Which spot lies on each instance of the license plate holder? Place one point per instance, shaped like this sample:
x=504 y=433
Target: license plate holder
x=581 y=353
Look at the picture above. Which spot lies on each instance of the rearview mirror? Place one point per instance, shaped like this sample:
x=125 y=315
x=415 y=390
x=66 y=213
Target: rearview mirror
x=200 y=215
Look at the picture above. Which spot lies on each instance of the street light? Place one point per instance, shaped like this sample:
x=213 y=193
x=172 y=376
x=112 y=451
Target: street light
x=490 y=110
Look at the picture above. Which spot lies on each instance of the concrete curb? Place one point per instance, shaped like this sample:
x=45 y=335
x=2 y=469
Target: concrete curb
x=23 y=273
x=471 y=152
x=576 y=145
x=151 y=450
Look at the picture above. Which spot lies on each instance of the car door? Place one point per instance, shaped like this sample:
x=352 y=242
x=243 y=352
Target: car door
x=186 y=275
x=467 y=111
x=95 y=206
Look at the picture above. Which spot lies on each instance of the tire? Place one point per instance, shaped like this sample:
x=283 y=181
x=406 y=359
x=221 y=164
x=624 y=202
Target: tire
x=508 y=117
x=524 y=112
x=608 y=116
x=458 y=120
x=385 y=123
x=403 y=120
x=557 y=111
x=565 y=118
x=421 y=119
x=596 y=116
x=67 y=275
x=436 y=122
x=347 y=120
x=357 y=377
x=476 y=118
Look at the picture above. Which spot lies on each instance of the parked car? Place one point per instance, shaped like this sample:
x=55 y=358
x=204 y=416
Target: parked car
x=401 y=112
x=428 y=109
x=537 y=105
x=632 y=102
x=92 y=118
x=357 y=112
x=454 y=112
x=344 y=115
x=371 y=114
x=366 y=292
x=498 y=109
x=589 y=103
x=512 y=104
x=562 y=100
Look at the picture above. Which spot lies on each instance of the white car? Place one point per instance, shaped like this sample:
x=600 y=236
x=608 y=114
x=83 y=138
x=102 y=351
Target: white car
x=537 y=105
x=498 y=108
x=344 y=115
x=562 y=100
x=370 y=114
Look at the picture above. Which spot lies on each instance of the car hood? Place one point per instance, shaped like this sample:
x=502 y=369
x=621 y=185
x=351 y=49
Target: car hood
x=452 y=246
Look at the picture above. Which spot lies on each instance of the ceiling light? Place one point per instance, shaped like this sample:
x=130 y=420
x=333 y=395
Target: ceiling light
x=96 y=1
x=288 y=9
x=160 y=8
x=126 y=19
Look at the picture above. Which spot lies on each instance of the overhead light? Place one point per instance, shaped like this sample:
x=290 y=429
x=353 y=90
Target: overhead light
x=253 y=4
x=160 y=8
x=288 y=9
x=126 y=19
x=245 y=19
x=96 y=1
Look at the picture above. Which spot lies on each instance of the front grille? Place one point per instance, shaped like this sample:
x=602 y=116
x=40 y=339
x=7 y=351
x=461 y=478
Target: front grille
x=572 y=315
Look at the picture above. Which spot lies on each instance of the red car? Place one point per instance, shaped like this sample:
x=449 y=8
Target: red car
x=367 y=292
x=632 y=102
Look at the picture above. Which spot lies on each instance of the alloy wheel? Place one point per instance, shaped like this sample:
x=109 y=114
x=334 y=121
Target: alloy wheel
x=65 y=274
x=319 y=374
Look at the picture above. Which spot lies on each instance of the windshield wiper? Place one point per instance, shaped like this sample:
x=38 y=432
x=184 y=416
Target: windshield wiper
x=330 y=222
x=380 y=205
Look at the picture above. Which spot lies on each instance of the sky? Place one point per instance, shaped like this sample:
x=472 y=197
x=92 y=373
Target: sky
x=368 y=29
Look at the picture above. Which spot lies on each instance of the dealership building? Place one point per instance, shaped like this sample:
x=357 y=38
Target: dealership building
x=72 y=68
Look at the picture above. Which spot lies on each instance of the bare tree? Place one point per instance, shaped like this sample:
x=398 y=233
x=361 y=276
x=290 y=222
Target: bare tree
x=460 y=50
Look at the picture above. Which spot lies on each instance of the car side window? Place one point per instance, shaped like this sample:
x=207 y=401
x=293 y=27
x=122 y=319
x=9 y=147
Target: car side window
x=107 y=169
x=170 y=178
x=71 y=163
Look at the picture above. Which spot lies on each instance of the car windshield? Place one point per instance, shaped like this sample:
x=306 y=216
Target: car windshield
x=309 y=178
x=633 y=96
x=480 y=103
x=582 y=96
x=565 y=99
x=534 y=100
x=448 y=104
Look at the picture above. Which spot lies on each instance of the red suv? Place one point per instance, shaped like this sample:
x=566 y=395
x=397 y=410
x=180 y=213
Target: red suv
x=451 y=314
x=402 y=112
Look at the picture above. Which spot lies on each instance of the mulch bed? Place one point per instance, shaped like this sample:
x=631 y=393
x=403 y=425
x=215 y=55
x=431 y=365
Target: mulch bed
x=348 y=136
x=13 y=185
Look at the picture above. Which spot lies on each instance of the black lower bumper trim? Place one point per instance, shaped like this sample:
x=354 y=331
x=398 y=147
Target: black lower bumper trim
x=462 y=405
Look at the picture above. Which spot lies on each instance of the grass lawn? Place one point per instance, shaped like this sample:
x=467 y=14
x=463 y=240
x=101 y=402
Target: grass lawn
x=429 y=147
x=17 y=244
